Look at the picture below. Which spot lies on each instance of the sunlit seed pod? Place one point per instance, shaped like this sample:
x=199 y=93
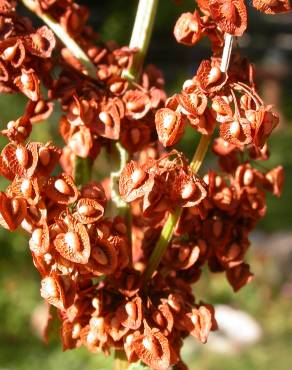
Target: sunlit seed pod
x=137 y=177
x=72 y=240
x=103 y=231
x=234 y=129
x=206 y=179
x=148 y=343
x=187 y=84
x=22 y=130
x=218 y=181
x=248 y=177
x=169 y=120
x=97 y=323
x=37 y=237
x=96 y=304
x=86 y=210
x=10 y=125
x=135 y=135
x=188 y=190
x=226 y=195
x=216 y=106
x=131 y=310
x=9 y=53
x=99 y=255
x=121 y=228
x=194 y=319
x=34 y=211
x=76 y=330
x=173 y=303
x=92 y=337
x=75 y=109
x=116 y=87
x=233 y=251
x=254 y=205
x=217 y=228
x=26 y=81
x=214 y=75
x=26 y=188
x=39 y=107
x=158 y=318
x=194 y=25
x=22 y=156
x=48 y=258
x=44 y=156
x=183 y=253
x=15 y=205
x=62 y=187
x=129 y=339
x=39 y=41
x=251 y=116
x=106 y=118
x=49 y=287
x=135 y=106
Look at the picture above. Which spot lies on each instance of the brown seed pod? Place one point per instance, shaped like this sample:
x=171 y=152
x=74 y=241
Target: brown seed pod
x=153 y=348
x=239 y=276
x=188 y=29
x=88 y=210
x=236 y=132
x=27 y=188
x=12 y=211
x=29 y=84
x=134 y=182
x=169 y=125
x=193 y=102
x=36 y=215
x=137 y=104
x=74 y=245
x=58 y=290
x=40 y=43
x=272 y=6
x=61 y=189
x=209 y=77
x=110 y=116
x=188 y=190
x=230 y=16
x=13 y=51
x=275 y=180
x=130 y=314
x=103 y=258
x=203 y=321
x=20 y=160
x=39 y=242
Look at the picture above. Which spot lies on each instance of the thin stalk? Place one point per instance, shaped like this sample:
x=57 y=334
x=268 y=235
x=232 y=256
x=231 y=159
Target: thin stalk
x=201 y=151
x=82 y=167
x=141 y=36
x=65 y=38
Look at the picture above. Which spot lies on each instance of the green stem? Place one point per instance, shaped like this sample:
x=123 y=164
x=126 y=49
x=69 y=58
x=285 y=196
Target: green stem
x=65 y=38
x=82 y=167
x=82 y=170
x=169 y=226
x=141 y=36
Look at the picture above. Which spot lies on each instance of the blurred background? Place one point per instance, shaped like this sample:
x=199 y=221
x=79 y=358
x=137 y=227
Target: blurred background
x=256 y=323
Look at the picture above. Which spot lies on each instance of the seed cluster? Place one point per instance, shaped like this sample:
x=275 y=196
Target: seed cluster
x=92 y=266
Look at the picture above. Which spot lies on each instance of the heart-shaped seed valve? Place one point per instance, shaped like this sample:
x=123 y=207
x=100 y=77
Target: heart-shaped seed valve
x=62 y=187
x=21 y=154
x=131 y=310
x=72 y=240
x=99 y=255
x=44 y=156
x=188 y=190
x=137 y=177
x=214 y=75
x=234 y=129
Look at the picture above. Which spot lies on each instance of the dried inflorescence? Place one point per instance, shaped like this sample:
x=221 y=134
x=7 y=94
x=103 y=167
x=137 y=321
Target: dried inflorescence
x=93 y=265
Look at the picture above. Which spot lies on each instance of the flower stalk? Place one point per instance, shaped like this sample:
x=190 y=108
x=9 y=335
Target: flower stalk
x=195 y=165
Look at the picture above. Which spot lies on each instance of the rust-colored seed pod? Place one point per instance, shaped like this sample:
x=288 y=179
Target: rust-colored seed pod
x=88 y=211
x=12 y=211
x=230 y=15
x=74 y=245
x=130 y=314
x=58 y=290
x=61 y=189
x=103 y=258
x=169 y=125
x=272 y=6
x=39 y=242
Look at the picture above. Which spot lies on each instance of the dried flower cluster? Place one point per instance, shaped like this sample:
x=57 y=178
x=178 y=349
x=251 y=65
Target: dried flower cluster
x=92 y=265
